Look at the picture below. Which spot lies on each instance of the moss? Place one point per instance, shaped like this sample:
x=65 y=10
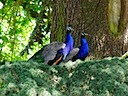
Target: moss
x=60 y=21
x=106 y=77
x=114 y=10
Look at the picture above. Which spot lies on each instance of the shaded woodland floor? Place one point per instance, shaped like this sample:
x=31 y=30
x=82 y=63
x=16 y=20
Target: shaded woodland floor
x=106 y=77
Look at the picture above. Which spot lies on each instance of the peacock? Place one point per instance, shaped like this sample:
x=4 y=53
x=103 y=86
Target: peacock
x=55 y=52
x=80 y=52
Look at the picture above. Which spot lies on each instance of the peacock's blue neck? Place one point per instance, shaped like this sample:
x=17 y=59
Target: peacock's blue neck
x=84 y=42
x=69 y=44
x=82 y=54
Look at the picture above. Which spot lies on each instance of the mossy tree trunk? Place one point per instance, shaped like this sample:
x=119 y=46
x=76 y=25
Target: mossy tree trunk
x=96 y=17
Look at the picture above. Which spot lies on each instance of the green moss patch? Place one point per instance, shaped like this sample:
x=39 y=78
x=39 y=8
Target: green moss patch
x=106 y=77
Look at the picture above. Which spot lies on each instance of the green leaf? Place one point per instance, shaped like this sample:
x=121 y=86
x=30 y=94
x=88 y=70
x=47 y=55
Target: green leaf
x=5 y=39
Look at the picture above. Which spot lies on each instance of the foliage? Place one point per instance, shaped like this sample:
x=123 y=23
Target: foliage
x=107 y=77
x=18 y=20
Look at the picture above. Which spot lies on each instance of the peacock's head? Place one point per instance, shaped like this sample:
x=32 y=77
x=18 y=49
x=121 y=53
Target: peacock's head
x=69 y=28
x=84 y=34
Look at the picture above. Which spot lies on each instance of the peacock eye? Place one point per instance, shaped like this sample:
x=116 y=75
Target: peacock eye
x=70 y=28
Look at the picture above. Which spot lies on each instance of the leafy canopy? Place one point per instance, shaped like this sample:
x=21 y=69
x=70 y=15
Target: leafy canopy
x=17 y=21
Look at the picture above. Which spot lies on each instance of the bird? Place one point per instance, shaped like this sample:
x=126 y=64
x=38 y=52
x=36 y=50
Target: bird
x=81 y=52
x=55 y=52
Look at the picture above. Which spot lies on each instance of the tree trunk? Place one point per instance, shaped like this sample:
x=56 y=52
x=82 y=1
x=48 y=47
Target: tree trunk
x=91 y=16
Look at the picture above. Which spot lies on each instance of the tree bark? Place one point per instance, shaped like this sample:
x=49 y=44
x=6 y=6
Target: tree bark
x=90 y=16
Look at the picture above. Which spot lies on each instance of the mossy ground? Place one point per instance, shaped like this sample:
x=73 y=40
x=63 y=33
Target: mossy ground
x=106 y=77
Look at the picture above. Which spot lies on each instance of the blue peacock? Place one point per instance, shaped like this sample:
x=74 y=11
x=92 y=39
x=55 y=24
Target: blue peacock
x=55 y=52
x=80 y=52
